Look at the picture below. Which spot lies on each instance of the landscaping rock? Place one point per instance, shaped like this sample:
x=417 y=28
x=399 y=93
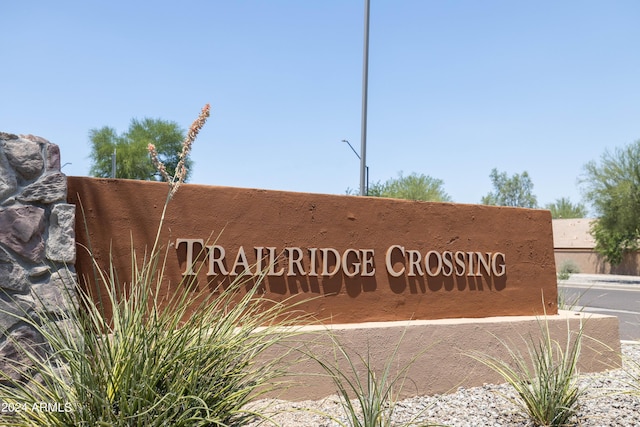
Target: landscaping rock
x=13 y=358
x=61 y=244
x=25 y=157
x=49 y=188
x=21 y=229
x=37 y=248
x=12 y=276
x=8 y=181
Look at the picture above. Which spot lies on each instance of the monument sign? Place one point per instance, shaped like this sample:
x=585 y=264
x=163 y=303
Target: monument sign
x=371 y=259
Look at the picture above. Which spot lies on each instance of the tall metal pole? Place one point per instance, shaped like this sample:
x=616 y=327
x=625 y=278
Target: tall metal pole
x=113 y=164
x=365 y=81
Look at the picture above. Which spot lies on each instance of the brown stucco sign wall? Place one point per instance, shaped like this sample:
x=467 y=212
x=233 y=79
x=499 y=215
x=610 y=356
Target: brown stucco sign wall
x=370 y=259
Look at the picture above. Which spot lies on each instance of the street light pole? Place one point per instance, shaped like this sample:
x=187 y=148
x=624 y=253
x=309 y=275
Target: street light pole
x=113 y=164
x=365 y=79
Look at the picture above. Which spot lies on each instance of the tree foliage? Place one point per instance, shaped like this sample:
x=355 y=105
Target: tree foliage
x=613 y=188
x=411 y=187
x=132 y=156
x=563 y=208
x=511 y=191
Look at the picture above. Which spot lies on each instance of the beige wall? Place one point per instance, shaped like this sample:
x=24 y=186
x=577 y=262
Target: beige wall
x=589 y=262
x=442 y=350
x=573 y=242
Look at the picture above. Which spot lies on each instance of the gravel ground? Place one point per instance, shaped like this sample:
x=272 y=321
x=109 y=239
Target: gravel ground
x=489 y=405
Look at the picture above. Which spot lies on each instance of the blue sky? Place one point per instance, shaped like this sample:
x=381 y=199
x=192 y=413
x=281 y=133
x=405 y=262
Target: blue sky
x=456 y=88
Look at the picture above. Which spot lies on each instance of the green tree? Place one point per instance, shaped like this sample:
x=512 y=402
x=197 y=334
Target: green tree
x=563 y=208
x=613 y=188
x=514 y=191
x=411 y=187
x=132 y=155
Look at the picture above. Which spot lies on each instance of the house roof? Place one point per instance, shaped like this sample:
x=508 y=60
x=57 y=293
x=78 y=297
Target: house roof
x=573 y=233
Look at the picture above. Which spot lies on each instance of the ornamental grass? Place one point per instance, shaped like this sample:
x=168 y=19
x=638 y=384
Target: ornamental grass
x=545 y=378
x=153 y=360
x=151 y=364
x=631 y=367
x=368 y=396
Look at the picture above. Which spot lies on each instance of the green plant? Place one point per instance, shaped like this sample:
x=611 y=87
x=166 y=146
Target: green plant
x=567 y=268
x=411 y=187
x=514 y=191
x=545 y=379
x=375 y=392
x=631 y=367
x=145 y=359
x=612 y=187
x=563 y=208
x=566 y=303
x=151 y=364
x=130 y=149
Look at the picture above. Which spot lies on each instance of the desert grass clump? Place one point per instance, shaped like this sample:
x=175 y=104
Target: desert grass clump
x=565 y=302
x=137 y=357
x=545 y=378
x=631 y=367
x=368 y=397
x=152 y=364
x=568 y=268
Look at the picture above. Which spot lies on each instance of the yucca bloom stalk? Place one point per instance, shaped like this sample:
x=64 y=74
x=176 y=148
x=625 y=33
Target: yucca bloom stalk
x=181 y=171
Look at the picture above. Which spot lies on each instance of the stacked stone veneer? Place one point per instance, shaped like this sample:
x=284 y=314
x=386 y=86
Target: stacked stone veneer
x=37 y=243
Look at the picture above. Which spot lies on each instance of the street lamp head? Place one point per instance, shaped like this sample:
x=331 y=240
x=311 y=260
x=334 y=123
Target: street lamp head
x=364 y=191
x=352 y=149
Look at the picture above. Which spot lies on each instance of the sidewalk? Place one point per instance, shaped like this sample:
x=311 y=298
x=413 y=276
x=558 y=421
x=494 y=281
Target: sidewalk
x=604 y=279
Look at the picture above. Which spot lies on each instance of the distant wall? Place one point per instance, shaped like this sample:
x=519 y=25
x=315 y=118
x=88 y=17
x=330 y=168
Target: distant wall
x=574 y=244
x=37 y=239
x=589 y=261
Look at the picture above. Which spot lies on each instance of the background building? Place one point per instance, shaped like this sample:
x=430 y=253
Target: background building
x=575 y=246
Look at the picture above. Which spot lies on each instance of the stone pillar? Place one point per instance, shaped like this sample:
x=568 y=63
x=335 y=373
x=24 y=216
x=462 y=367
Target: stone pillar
x=37 y=242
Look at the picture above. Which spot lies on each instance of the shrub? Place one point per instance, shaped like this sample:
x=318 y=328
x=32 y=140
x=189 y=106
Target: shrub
x=150 y=362
x=375 y=392
x=545 y=379
x=567 y=303
x=631 y=367
x=567 y=268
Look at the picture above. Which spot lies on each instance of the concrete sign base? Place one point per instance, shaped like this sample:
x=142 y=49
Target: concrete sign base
x=443 y=347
